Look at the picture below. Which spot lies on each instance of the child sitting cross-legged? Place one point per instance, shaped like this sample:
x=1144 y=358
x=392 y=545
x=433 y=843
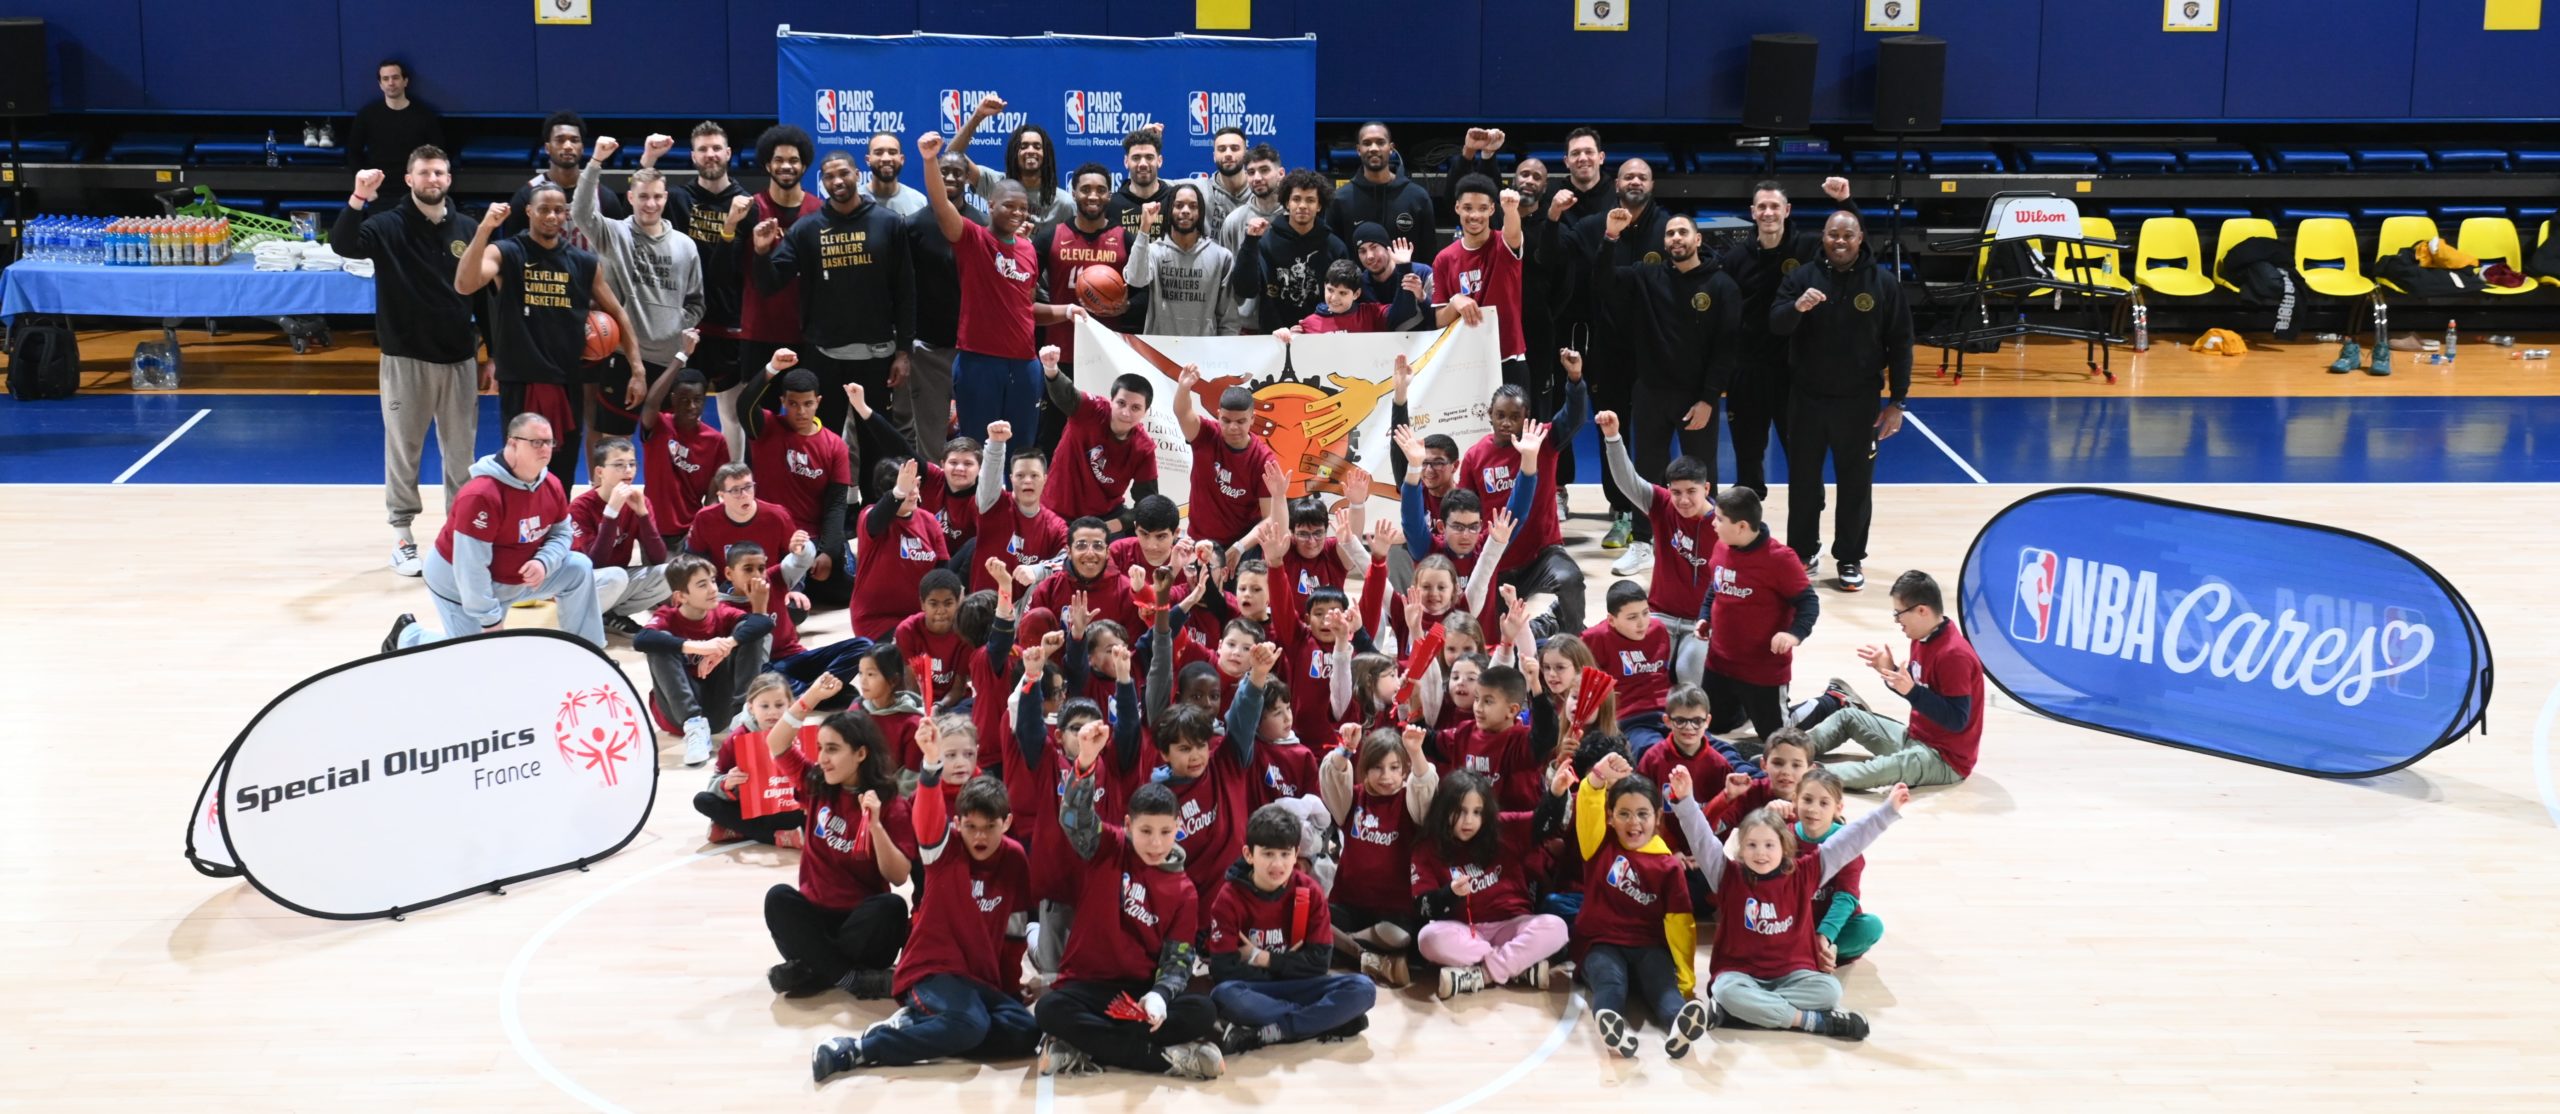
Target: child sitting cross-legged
x=1271 y=947
x=1472 y=875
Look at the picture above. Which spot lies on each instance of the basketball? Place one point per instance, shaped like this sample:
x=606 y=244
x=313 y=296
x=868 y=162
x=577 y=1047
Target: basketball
x=603 y=336
x=1100 y=290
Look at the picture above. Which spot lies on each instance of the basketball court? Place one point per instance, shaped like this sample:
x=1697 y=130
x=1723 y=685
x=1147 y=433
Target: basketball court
x=2091 y=922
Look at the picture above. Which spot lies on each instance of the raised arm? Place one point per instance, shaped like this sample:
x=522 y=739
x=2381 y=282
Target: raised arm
x=479 y=265
x=583 y=210
x=1844 y=848
x=992 y=487
x=1186 y=412
x=945 y=215
x=1622 y=468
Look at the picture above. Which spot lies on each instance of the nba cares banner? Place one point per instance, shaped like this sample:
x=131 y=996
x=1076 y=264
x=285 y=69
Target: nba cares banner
x=1323 y=403
x=416 y=777
x=1088 y=92
x=2291 y=645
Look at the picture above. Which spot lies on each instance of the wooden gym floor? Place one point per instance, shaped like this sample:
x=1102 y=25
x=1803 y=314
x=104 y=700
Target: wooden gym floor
x=2091 y=923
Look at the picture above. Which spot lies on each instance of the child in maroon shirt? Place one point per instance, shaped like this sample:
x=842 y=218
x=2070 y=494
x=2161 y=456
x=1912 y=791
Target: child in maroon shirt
x=1688 y=746
x=683 y=450
x=1763 y=606
x=897 y=548
x=1943 y=682
x=1635 y=648
x=1225 y=462
x=1342 y=311
x=1844 y=930
x=842 y=926
x=1636 y=933
x=889 y=698
x=737 y=515
x=768 y=697
x=1137 y=922
x=1493 y=741
x=1017 y=531
x=1762 y=965
x=959 y=980
x=1105 y=455
x=701 y=653
x=803 y=466
x=1270 y=947
x=611 y=538
x=758 y=589
x=1378 y=803
x=1473 y=875
x=931 y=638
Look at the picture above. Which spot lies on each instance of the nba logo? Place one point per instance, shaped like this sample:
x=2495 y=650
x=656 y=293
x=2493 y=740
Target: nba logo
x=1199 y=113
x=2396 y=649
x=2031 y=615
x=952 y=113
x=1075 y=112
x=826 y=110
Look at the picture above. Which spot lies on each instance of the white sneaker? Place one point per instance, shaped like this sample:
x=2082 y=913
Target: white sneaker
x=405 y=559
x=1196 y=1060
x=1637 y=558
x=1058 y=1058
x=1455 y=981
x=697 y=741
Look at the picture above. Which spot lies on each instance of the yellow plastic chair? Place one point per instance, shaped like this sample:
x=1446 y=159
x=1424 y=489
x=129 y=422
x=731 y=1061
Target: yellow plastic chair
x=2493 y=240
x=2538 y=241
x=2324 y=254
x=2092 y=266
x=2169 y=259
x=2232 y=234
x=2399 y=233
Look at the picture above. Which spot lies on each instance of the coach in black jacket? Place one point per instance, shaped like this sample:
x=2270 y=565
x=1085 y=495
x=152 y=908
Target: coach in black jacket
x=1756 y=400
x=1677 y=324
x=1848 y=332
x=424 y=328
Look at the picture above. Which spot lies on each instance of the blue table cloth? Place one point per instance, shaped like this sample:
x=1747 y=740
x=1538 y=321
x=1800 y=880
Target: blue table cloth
x=233 y=289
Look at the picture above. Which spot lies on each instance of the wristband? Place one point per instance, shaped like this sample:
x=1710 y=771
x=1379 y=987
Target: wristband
x=358 y=201
x=791 y=717
x=683 y=357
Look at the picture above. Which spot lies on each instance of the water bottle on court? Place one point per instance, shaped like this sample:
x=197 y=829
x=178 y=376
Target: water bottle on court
x=271 y=147
x=2141 y=326
x=2449 y=331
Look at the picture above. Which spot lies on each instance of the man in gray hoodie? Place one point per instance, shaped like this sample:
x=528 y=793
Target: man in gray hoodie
x=507 y=540
x=652 y=266
x=1187 y=271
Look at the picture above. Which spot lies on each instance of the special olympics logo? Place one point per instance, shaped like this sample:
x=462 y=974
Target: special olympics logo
x=598 y=729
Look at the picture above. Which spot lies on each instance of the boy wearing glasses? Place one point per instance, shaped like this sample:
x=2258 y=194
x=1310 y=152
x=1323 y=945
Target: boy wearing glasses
x=736 y=515
x=507 y=540
x=610 y=523
x=1943 y=682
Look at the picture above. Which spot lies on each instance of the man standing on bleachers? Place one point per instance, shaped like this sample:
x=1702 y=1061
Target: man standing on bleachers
x=387 y=130
x=1849 y=332
x=424 y=330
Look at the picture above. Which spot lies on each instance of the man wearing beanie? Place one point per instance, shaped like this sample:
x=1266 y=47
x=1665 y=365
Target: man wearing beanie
x=1390 y=277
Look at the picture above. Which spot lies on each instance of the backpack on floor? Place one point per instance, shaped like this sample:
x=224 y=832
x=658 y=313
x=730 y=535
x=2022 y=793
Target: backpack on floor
x=44 y=363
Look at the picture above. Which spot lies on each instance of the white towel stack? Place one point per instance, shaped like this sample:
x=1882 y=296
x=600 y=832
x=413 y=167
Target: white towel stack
x=318 y=257
x=278 y=255
x=361 y=268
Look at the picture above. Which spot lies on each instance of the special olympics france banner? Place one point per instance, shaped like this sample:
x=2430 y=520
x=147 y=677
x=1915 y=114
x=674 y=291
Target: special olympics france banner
x=1088 y=91
x=1322 y=403
x=2283 y=643
x=411 y=778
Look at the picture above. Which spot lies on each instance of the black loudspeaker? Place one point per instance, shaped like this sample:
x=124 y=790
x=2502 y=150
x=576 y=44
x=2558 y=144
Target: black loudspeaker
x=25 y=80
x=1911 y=83
x=1779 y=93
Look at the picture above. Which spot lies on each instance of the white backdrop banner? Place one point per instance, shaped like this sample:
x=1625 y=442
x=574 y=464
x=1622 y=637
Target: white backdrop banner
x=412 y=778
x=1323 y=403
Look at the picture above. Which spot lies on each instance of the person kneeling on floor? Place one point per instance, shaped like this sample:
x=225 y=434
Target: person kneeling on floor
x=507 y=541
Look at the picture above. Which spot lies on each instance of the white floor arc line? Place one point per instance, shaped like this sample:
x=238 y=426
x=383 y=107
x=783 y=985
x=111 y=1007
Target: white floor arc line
x=1913 y=420
x=162 y=447
x=2542 y=728
x=512 y=1020
x=1546 y=1048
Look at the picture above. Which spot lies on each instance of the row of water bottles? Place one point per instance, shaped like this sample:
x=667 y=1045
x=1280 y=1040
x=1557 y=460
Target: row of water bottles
x=129 y=241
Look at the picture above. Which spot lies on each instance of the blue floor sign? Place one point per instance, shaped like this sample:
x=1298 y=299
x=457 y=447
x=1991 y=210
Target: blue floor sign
x=2283 y=643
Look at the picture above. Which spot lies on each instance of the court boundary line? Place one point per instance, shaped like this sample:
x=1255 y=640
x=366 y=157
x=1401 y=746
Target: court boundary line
x=2542 y=729
x=162 y=447
x=1934 y=439
x=1555 y=1040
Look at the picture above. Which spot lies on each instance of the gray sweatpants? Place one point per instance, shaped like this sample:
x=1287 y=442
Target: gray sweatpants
x=1773 y=1003
x=1897 y=758
x=632 y=590
x=415 y=393
x=922 y=404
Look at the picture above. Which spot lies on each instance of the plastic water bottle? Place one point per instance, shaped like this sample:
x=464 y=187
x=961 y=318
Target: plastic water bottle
x=2141 y=327
x=271 y=147
x=2448 y=339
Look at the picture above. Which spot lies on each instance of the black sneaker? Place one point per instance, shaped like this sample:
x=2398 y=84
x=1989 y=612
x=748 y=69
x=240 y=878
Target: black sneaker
x=1809 y=563
x=399 y=626
x=866 y=983
x=1615 y=1034
x=1236 y=1040
x=793 y=979
x=1843 y=1024
x=623 y=625
x=1852 y=578
x=1357 y=1025
x=1686 y=1029
x=841 y=1054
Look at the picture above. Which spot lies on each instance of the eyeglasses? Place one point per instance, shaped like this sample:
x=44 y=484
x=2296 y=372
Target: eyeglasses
x=536 y=442
x=1307 y=535
x=1688 y=721
x=1091 y=547
x=741 y=489
x=1899 y=612
x=1457 y=527
x=1440 y=463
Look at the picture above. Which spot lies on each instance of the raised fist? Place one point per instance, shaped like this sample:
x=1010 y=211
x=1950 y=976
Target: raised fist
x=929 y=147
x=990 y=104
x=497 y=215
x=657 y=144
x=1257 y=226
x=1607 y=420
x=1619 y=219
x=605 y=147
x=368 y=183
x=1559 y=204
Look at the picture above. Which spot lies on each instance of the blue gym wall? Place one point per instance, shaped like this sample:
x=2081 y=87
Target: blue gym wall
x=1511 y=60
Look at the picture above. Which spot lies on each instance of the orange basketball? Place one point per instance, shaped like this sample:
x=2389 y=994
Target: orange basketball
x=604 y=338
x=1101 y=291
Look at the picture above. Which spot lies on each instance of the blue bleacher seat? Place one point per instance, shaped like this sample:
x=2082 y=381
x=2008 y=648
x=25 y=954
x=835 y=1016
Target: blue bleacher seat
x=2129 y=218
x=2529 y=160
x=1965 y=160
x=2470 y=158
x=2219 y=160
x=506 y=154
x=2138 y=160
x=299 y=155
x=2297 y=216
x=49 y=148
x=2532 y=216
x=1881 y=162
x=1656 y=155
x=1342 y=160
x=148 y=148
x=2058 y=160
x=2450 y=216
x=1723 y=162
x=2377 y=214
x=2311 y=159
x=1809 y=162
x=2206 y=215
x=2389 y=160
x=230 y=150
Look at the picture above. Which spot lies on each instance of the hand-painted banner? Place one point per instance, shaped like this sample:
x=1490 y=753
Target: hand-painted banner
x=1089 y=92
x=2282 y=643
x=1323 y=403
x=415 y=777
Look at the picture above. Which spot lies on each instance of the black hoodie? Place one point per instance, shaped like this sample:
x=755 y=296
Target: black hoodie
x=1758 y=270
x=416 y=314
x=1397 y=205
x=1680 y=329
x=857 y=281
x=1863 y=327
x=1285 y=272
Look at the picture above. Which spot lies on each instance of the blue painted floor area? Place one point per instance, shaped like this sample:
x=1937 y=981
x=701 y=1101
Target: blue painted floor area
x=337 y=439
